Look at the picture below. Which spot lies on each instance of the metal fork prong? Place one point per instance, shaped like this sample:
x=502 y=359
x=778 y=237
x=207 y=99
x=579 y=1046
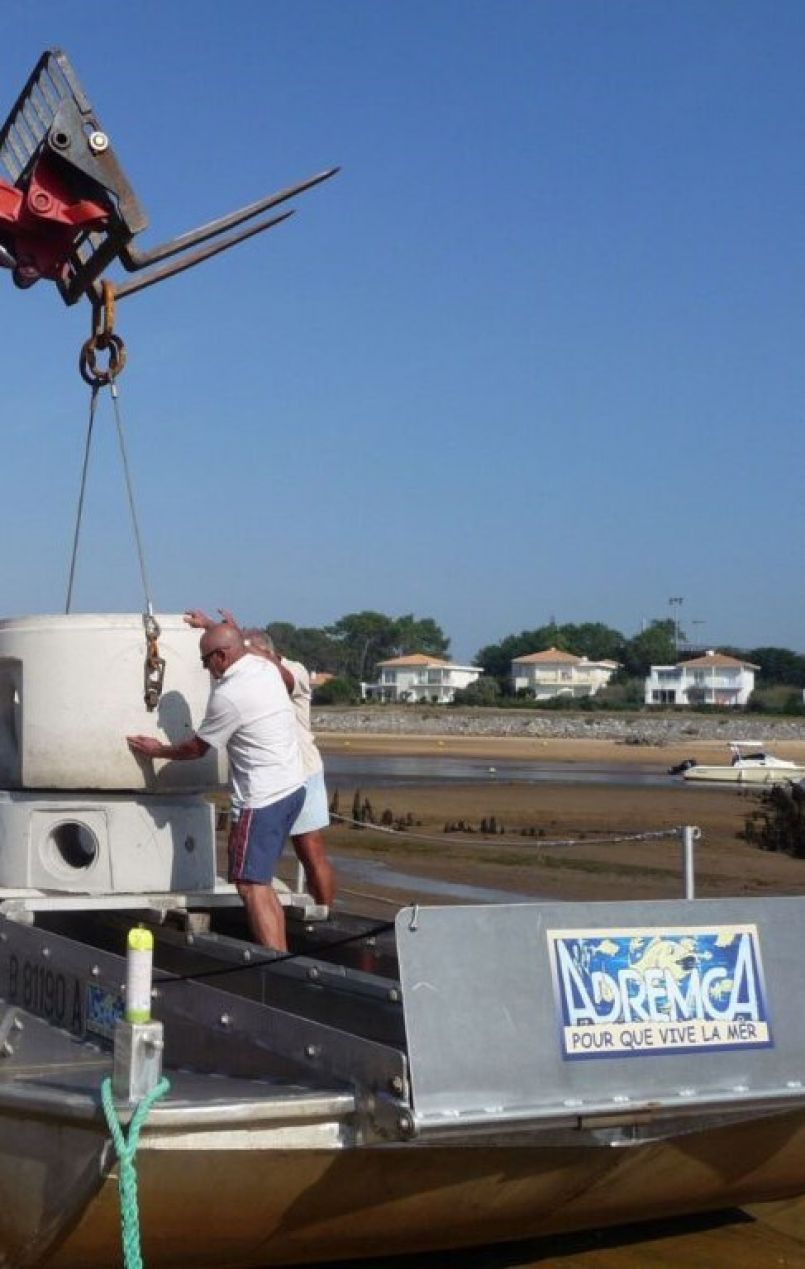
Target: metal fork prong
x=132 y=259
x=195 y=257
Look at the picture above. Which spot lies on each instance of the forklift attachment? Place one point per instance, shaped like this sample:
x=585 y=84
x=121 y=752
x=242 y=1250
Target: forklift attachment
x=68 y=211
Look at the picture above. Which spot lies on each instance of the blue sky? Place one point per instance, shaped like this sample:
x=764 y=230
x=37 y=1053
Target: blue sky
x=536 y=352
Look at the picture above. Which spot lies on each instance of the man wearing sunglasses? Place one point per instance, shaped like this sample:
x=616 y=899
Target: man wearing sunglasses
x=307 y=837
x=250 y=714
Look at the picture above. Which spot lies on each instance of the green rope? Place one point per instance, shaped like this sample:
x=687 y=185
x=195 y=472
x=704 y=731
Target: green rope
x=127 y=1178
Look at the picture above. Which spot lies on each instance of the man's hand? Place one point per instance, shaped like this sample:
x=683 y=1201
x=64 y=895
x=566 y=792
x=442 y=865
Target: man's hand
x=198 y=619
x=148 y=747
x=144 y=746
x=227 y=618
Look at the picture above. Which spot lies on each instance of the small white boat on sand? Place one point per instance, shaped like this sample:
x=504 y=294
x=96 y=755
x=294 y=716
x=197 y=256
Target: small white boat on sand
x=751 y=764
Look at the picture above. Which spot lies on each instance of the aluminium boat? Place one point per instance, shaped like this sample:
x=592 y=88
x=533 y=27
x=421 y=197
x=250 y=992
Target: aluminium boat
x=467 y=1075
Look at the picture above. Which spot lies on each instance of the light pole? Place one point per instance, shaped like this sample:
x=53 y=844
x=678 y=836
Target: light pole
x=675 y=603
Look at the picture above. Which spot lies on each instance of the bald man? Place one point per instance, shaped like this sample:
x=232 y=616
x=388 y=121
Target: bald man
x=307 y=837
x=250 y=714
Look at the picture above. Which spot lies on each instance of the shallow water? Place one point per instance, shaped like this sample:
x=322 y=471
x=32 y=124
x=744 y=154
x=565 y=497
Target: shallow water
x=394 y=772
x=373 y=872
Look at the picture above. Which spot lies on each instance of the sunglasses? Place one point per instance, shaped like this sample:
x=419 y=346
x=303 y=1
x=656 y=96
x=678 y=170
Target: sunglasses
x=206 y=658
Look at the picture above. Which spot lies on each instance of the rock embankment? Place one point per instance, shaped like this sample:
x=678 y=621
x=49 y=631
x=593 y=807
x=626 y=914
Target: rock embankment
x=635 y=729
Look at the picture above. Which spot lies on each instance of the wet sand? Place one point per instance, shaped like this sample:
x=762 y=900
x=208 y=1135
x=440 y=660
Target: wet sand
x=659 y=757
x=517 y=861
x=773 y=1234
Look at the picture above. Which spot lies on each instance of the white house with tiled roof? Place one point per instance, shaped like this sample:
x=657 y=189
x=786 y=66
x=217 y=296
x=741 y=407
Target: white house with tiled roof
x=557 y=673
x=712 y=679
x=420 y=678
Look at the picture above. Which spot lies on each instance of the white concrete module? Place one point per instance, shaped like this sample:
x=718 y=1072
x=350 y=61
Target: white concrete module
x=71 y=690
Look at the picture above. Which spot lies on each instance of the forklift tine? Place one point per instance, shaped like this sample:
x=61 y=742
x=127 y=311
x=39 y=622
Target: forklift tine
x=195 y=257
x=133 y=260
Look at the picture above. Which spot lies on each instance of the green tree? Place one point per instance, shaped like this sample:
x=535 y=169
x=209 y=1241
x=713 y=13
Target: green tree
x=364 y=638
x=656 y=645
x=778 y=665
x=336 y=691
x=594 y=640
x=419 y=634
x=484 y=691
x=590 y=639
x=308 y=644
x=496 y=658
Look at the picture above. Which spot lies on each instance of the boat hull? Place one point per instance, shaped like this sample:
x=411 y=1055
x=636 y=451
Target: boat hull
x=744 y=775
x=244 y=1206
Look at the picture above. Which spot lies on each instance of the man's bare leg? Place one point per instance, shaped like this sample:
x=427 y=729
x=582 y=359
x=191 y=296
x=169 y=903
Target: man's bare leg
x=264 y=914
x=312 y=855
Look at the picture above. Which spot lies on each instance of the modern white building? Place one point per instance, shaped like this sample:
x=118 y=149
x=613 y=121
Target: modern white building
x=712 y=679
x=556 y=673
x=420 y=678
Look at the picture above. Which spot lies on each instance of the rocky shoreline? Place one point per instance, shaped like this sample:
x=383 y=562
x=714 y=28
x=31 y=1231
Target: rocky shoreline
x=627 y=729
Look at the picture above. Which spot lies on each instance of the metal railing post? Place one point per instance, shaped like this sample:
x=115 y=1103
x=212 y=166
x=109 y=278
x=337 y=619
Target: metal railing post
x=690 y=834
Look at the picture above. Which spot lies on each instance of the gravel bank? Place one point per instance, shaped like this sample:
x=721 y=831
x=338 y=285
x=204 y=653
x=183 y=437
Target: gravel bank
x=637 y=729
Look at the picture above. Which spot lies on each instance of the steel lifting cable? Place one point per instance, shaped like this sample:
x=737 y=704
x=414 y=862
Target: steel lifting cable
x=104 y=338
x=149 y=609
x=80 y=511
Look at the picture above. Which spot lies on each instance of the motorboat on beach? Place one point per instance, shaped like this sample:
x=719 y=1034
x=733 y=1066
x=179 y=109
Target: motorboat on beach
x=751 y=763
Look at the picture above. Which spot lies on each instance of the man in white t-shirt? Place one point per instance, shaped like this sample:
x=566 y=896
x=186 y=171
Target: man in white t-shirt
x=250 y=714
x=306 y=833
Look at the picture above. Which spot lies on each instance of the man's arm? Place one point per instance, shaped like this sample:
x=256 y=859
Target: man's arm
x=200 y=621
x=149 y=747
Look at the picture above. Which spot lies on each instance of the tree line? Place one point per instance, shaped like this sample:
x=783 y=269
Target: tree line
x=352 y=647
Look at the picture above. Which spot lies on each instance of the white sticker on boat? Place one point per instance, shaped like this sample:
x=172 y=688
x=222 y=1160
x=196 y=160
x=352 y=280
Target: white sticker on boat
x=642 y=992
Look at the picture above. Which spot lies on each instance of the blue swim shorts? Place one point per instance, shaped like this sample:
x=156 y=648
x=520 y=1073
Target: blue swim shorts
x=314 y=814
x=257 y=837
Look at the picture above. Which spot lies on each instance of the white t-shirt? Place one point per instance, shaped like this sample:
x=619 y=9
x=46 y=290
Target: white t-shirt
x=250 y=712
x=300 y=699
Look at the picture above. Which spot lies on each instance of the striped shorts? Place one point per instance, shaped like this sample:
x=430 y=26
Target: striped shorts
x=257 y=837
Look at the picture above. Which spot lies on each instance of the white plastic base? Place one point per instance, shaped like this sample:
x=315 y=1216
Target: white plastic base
x=106 y=844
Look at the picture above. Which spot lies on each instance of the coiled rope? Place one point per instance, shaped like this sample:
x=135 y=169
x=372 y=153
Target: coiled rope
x=126 y=1148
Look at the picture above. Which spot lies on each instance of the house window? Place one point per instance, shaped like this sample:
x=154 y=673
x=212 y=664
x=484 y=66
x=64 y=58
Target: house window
x=663 y=696
x=434 y=676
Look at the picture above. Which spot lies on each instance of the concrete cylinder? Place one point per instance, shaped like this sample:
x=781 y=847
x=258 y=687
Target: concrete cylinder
x=71 y=690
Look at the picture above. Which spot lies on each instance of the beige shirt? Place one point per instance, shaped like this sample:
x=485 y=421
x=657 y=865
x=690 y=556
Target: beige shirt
x=300 y=699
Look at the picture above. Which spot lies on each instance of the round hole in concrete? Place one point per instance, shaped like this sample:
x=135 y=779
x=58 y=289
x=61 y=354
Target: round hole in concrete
x=73 y=844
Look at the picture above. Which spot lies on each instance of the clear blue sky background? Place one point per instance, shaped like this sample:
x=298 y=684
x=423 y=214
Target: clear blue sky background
x=537 y=351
